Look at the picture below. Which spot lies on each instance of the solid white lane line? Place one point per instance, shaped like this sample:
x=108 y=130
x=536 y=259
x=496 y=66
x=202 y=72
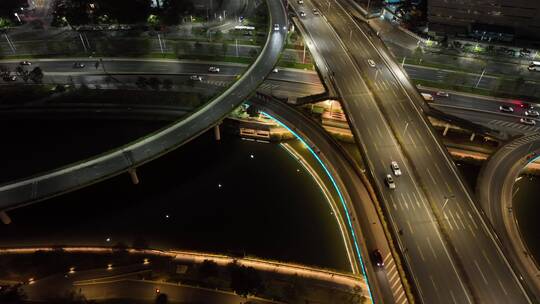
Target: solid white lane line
x=472 y=220
x=431 y=247
x=421 y=253
x=481 y=273
x=431 y=176
x=448 y=221
x=502 y=287
x=410 y=227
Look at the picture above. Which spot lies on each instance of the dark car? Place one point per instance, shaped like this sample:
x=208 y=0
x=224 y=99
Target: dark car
x=377 y=258
x=78 y=65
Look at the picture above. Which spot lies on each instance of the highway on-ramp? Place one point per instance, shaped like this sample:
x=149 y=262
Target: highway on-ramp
x=121 y=160
x=495 y=192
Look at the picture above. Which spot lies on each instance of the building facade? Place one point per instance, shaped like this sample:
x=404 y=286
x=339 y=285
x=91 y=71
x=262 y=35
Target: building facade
x=519 y=18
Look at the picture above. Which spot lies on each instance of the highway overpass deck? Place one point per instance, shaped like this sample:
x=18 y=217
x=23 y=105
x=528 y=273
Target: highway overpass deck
x=495 y=188
x=451 y=251
x=128 y=157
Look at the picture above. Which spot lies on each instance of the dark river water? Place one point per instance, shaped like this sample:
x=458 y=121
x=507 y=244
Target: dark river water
x=232 y=196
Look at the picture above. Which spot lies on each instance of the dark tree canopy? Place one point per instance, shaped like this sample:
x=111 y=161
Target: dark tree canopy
x=8 y=7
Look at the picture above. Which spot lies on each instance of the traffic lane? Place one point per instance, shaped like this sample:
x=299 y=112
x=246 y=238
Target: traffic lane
x=466 y=240
x=459 y=288
x=515 y=281
x=172 y=67
x=351 y=186
x=482 y=288
x=325 y=47
x=384 y=149
x=457 y=78
x=505 y=123
x=70 y=178
x=352 y=90
x=467 y=237
x=481 y=103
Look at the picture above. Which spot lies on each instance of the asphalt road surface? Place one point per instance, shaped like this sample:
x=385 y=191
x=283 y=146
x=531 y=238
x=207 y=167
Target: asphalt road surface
x=116 y=162
x=450 y=251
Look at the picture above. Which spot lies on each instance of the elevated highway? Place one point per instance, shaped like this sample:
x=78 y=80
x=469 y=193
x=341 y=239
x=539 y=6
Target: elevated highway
x=129 y=157
x=495 y=192
x=449 y=248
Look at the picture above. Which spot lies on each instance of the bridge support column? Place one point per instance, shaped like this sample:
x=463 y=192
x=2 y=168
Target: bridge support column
x=472 y=137
x=5 y=218
x=134 y=177
x=446 y=128
x=217 y=132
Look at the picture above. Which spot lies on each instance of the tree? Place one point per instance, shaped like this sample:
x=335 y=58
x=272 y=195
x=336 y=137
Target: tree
x=141 y=82
x=208 y=269
x=154 y=83
x=167 y=84
x=244 y=280
x=224 y=48
x=12 y=294
x=36 y=75
x=140 y=243
x=252 y=52
x=162 y=298
x=174 y=9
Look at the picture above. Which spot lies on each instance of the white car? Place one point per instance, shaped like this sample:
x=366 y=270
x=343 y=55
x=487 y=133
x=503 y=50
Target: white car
x=302 y=14
x=276 y=27
x=507 y=109
x=25 y=62
x=213 y=69
x=395 y=168
x=195 y=78
x=527 y=121
x=442 y=94
x=275 y=70
x=532 y=113
x=371 y=63
x=300 y=2
x=390 y=182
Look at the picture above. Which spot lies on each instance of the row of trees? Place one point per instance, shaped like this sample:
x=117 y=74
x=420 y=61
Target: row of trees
x=81 y=12
x=35 y=75
x=8 y=8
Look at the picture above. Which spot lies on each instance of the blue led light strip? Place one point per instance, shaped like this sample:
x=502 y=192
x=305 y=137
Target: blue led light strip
x=349 y=222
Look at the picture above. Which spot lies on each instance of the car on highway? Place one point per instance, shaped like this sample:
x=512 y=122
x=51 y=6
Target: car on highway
x=427 y=97
x=506 y=108
x=300 y=2
x=395 y=168
x=442 y=94
x=390 y=183
x=302 y=14
x=25 y=62
x=371 y=63
x=316 y=12
x=276 y=27
x=532 y=113
x=195 y=78
x=10 y=78
x=527 y=121
x=213 y=69
x=377 y=258
x=78 y=65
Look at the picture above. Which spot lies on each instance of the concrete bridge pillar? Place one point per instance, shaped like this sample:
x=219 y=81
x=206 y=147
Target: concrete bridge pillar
x=472 y=137
x=5 y=218
x=217 y=132
x=134 y=177
x=446 y=128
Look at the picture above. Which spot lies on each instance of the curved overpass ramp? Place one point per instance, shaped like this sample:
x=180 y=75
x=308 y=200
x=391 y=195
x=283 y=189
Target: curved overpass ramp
x=82 y=174
x=494 y=190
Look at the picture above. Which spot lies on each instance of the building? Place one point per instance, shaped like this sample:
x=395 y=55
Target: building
x=486 y=19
